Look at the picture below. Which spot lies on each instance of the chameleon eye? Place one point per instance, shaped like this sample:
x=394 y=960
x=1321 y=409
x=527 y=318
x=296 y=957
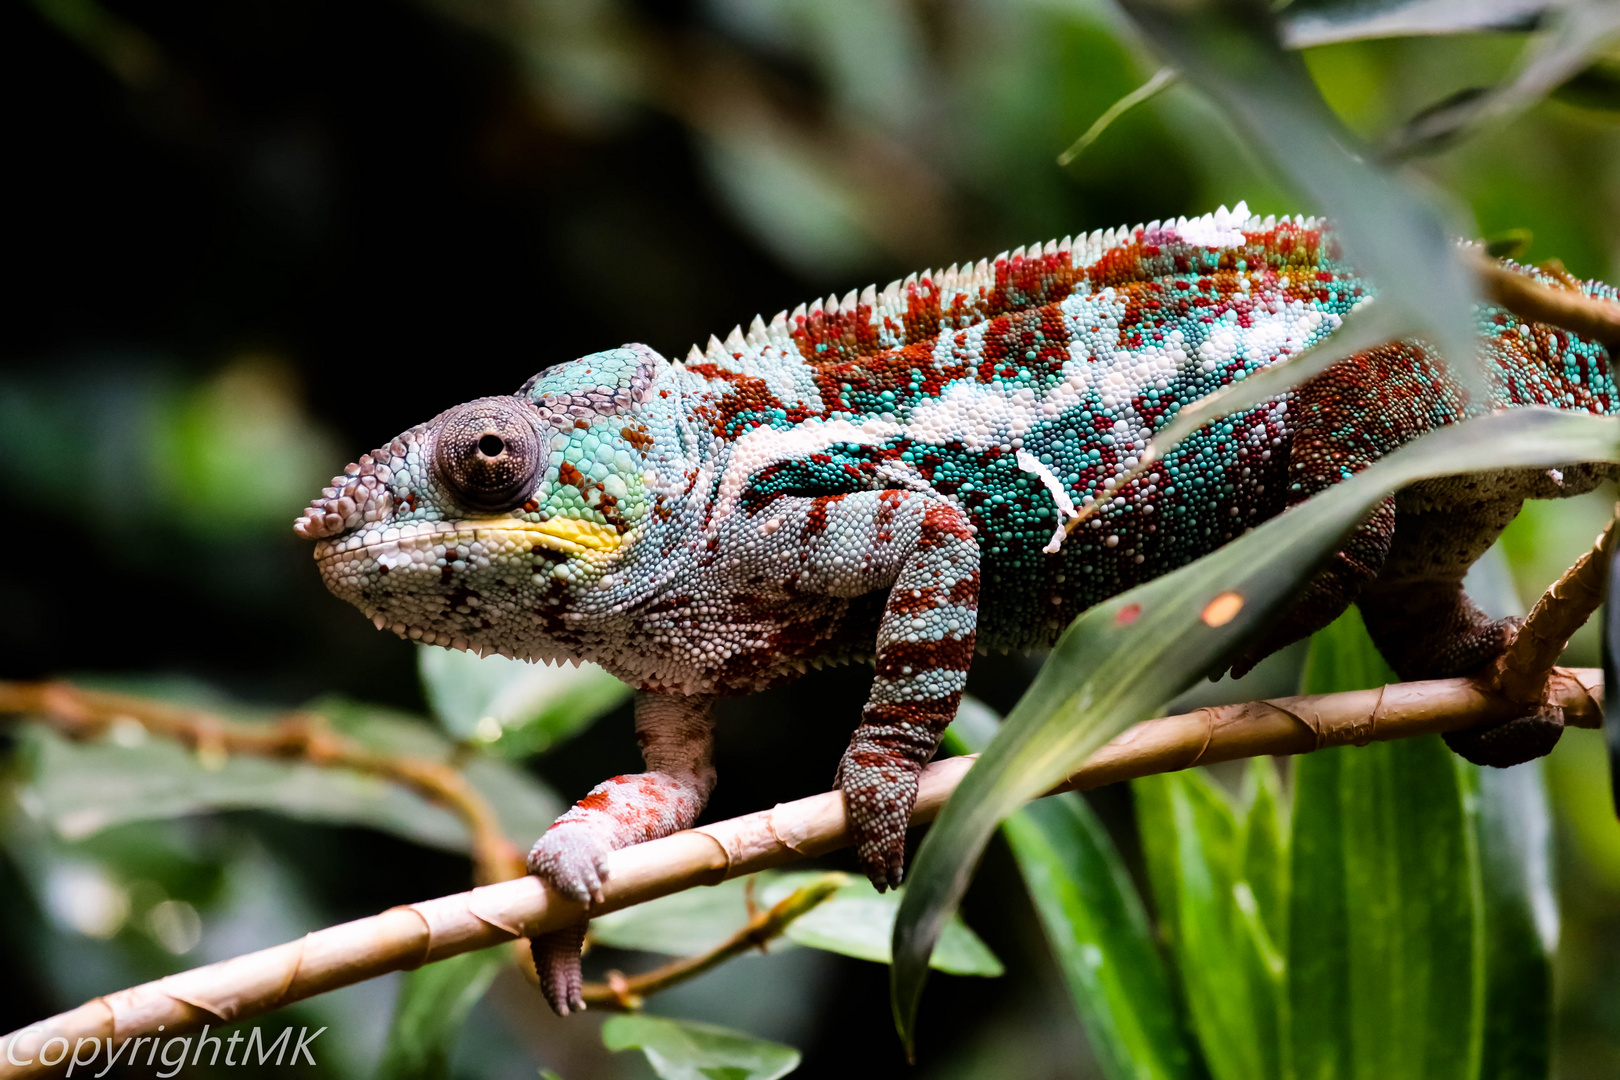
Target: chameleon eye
x=487 y=453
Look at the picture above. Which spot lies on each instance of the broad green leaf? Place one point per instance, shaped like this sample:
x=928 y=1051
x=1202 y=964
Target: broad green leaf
x=1386 y=946
x=687 y=1050
x=1319 y=22
x=680 y=924
x=1230 y=972
x=1119 y=661
x=1099 y=933
x=1343 y=657
x=1094 y=922
x=80 y=788
x=1521 y=921
x=1390 y=233
x=1263 y=840
x=857 y=921
x=432 y=1004
x=513 y=707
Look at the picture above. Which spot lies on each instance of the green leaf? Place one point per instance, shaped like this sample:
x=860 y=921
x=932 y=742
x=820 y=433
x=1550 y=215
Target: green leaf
x=859 y=921
x=1343 y=657
x=81 y=788
x=1521 y=921
x=1110 y=670
x=1094 y=922
x=1386 y=945
x=856 y=921
x=1390 y=233
x=1263 y=846
x=686 y=1050
x=681 y=924
x=1230 y=971
x=1305 y=23
x=1097 y=928
x=513 y=707
x=432 y=1004
x=1578 y=32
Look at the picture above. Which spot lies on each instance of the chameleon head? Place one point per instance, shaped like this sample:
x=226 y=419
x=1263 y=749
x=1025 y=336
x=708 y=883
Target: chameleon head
x=497 y=525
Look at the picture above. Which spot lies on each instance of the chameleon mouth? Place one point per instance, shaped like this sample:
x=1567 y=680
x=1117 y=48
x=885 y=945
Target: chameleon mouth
x=569 y=536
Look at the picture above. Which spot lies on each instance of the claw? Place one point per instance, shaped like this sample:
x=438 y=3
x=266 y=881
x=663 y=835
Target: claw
x=556 y=961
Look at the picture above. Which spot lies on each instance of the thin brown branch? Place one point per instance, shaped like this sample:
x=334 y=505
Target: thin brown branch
x=1523 y=670
x=79 y=714
x=625 y=993
x=407 y=937
x=1567 y=308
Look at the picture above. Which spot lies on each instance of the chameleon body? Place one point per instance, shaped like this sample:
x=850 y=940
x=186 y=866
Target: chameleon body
x=886 y=478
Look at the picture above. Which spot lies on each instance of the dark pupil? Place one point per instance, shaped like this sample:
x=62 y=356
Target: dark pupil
x=491 y=446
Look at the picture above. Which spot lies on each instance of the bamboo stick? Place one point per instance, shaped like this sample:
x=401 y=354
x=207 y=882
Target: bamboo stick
x=407 y=937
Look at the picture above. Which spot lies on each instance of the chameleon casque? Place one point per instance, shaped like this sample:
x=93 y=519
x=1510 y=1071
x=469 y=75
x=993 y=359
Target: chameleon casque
x=885 y=478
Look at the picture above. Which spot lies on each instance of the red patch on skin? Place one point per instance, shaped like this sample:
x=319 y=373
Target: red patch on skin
x=965 y=593
x=952 y=654
x=816 y=520
x=1127 y=614
x=567 y=473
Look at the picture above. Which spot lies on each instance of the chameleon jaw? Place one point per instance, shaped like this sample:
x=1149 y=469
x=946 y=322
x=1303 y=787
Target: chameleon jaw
x=568 y=536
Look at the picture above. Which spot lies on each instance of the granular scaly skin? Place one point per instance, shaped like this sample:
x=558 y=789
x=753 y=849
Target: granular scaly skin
x=885 y=478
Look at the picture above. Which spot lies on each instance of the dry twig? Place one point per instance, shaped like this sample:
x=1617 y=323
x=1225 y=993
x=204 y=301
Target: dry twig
x=80 y=714
x=625 y=993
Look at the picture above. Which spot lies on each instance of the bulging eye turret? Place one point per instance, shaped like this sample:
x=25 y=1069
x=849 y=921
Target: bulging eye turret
x=487 y=452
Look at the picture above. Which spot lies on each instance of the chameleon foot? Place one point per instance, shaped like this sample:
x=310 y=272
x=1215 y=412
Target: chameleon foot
x=879 y=796
x=569 y=858
x=556 y=961
x=1512 y=742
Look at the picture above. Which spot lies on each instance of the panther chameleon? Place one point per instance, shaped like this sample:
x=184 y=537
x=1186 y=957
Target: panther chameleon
x=886 y=479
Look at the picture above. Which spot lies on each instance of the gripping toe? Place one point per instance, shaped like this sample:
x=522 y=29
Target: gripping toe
x=1513 y=742
x=570 y=859
x=556 y=961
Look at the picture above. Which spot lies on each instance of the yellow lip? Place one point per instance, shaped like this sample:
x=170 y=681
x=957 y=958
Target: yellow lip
x=569 y=536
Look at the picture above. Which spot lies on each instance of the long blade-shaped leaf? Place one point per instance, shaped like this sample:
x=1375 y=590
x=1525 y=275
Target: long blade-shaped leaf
x=1095 y=924
x=1521 y=921
x=433 y=1001
x=1122 y=659
x=1214 y=948
x=1318 y=22
x=1230 y=51
x=1386 y=948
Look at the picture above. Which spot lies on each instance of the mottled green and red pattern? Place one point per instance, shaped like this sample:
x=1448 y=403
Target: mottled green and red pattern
x=887 y=477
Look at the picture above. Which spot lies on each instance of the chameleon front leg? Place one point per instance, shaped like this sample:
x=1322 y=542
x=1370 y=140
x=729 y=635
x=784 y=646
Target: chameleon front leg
x=676 y=734
x=923 y=548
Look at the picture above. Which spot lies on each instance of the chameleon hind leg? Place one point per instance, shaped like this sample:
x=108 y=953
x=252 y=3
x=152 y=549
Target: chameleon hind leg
x=676 y=734
x=1427 y=627
x=1341 y=422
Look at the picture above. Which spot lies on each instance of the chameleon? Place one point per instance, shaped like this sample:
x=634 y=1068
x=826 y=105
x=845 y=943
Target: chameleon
x=886 y=478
